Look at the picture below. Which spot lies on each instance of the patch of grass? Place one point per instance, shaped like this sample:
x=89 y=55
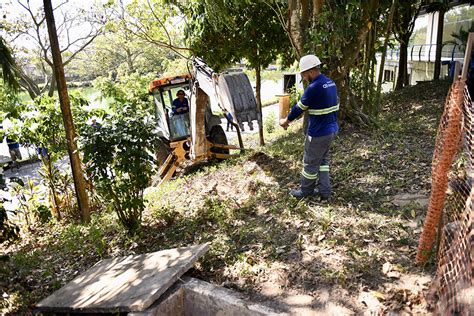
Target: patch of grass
x=269 y=102
x=269 y=123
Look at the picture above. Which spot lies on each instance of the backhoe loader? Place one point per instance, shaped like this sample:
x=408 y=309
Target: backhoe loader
x=197 y=134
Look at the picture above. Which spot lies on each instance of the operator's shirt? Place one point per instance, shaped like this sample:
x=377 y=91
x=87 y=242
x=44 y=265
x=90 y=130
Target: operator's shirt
x=180 y=105
x=321 y=102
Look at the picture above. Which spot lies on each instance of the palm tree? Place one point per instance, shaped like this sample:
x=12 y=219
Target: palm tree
x=461 y=37
x=8 y=66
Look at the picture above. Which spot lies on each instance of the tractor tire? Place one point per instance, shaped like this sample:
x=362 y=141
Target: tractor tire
x=218 y=136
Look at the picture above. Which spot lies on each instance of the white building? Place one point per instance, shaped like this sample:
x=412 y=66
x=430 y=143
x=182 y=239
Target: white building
x=422 y=47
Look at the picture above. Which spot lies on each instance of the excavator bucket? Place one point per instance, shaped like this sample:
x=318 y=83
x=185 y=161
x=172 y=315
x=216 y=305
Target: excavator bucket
x=233 y=91
x=237 y=97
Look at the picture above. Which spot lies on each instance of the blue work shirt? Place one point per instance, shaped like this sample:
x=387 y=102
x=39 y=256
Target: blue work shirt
x=12 y=144
x=177 y=104
x=321 y=102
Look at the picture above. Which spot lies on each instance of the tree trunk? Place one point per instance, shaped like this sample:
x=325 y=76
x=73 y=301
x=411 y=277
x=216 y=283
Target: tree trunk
x=439 y=46
x=52 y=85
x=388 y=31
x=28 y=84
x=341 y=84
x=402 y=65
x=368 y=54
x=294 y=28
x=53 y=194
x=258 y=81
x=373 y=86
x=131 y=68
x=79 y=181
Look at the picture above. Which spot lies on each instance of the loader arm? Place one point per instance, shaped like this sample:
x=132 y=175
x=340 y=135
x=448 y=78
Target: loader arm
x=231 y=91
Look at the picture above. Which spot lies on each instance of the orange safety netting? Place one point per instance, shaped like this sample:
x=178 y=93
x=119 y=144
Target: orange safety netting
x=447 y=145
x=450 y=213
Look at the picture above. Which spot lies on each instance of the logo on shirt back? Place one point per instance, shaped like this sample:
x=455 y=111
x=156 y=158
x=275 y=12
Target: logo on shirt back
x=328 y=84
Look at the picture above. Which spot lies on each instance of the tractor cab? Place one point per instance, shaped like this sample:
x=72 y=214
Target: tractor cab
x=188 y=128
x=172 y=124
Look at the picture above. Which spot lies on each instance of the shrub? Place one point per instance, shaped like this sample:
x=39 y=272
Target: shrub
x=119 y=159
x=295 y=95
x=32 y=202
x=269 y=123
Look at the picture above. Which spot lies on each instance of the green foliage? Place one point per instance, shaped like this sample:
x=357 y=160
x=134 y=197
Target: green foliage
x=404 y=19
x=9 y=102
x=119 y=53
x=41 y=125
x=132 y=89
x=223 y=32
x=295 y=94
x=7 y=64
x=460 y=38
x=139 y=37
x=269 y=123
x=27 y=29
x=346 y=36
x=269 y=102
x=273 y=75
x=119 y=159
x=32 y=202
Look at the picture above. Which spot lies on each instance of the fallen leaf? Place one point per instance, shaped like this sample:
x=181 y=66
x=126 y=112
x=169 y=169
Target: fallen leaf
x=378 y=295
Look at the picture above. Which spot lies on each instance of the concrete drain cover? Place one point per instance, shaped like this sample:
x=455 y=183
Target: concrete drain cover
x=123 y=284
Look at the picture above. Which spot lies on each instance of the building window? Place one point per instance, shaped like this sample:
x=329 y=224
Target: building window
x=388 y=75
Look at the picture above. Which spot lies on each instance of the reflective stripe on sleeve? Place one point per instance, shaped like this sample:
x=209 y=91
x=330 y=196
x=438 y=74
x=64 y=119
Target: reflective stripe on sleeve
x=324 y=111
x=302 y=106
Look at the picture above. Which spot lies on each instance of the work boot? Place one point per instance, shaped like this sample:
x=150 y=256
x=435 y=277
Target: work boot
x=321 y=198
x=324 y=198
x=300 y=194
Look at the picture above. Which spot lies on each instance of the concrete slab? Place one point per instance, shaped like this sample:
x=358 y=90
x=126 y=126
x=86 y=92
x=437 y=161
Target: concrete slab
x=123 y=284
x=204 y=299
x=171 y=303
x=405 y=199
x=193 y=297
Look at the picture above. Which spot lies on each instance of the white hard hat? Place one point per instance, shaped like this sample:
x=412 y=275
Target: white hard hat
x=309 y=61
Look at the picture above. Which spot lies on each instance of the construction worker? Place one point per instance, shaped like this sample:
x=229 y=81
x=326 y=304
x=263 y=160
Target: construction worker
x=321 y=101
x=15 y=154
x=180 y=104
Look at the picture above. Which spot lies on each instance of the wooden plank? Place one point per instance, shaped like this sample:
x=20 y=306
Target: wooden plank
x=123 y=284
x=467 y=55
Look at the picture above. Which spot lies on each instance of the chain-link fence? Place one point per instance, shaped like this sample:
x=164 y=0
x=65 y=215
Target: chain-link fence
x=449 y=222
